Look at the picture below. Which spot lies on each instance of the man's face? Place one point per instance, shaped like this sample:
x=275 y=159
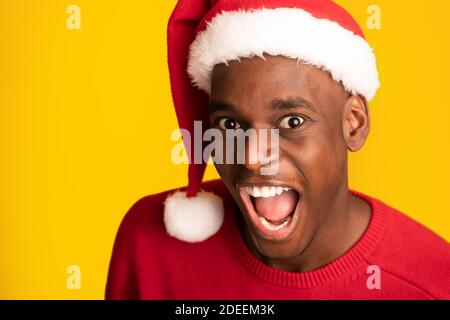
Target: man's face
x=307 y=106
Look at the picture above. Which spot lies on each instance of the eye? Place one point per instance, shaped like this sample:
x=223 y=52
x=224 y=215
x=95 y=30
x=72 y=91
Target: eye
x=228 y=124
x=291 y=122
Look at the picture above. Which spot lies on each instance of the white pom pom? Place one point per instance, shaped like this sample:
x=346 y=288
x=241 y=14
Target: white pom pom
x=193 y=219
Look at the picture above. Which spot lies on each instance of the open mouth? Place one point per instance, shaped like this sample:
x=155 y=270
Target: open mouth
x=273 y=210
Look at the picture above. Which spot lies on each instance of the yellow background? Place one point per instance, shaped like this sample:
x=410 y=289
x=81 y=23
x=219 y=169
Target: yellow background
x=86 y=117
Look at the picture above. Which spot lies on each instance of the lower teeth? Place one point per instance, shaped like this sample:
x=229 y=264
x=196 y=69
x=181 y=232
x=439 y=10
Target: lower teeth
x=271 y=226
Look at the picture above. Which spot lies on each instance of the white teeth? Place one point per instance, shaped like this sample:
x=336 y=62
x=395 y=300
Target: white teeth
x=265 y=192
x=270 y=226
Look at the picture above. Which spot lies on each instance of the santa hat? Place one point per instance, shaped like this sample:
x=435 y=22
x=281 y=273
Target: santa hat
x=203 y=33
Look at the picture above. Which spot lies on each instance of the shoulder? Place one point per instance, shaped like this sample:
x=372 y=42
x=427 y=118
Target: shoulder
x=142 y=237
x=414 y=253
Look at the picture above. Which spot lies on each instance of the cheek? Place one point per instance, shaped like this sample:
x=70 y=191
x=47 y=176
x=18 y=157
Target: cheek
x=319 y=158
x=226 y=171
x=221 y=169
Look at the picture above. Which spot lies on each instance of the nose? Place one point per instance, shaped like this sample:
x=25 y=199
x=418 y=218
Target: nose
x=258 y=149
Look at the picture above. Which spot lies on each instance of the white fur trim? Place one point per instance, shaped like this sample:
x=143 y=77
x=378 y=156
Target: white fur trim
x=289 y=32
x=193 y=219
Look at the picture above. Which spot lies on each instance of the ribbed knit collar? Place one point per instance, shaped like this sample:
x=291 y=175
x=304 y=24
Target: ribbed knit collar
x=333 y=270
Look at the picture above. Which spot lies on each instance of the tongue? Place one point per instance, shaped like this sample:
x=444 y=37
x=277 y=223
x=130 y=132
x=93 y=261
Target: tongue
x=276 y=208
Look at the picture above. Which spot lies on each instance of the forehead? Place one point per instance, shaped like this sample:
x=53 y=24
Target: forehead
x=257 y=80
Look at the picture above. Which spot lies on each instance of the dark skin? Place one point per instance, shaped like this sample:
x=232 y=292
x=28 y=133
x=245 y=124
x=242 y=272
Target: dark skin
x=313 y=156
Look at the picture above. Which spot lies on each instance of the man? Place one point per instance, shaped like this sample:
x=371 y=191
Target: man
x=302 y=71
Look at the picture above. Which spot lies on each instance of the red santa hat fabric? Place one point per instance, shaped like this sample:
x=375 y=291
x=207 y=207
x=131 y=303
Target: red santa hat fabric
x=203 y=33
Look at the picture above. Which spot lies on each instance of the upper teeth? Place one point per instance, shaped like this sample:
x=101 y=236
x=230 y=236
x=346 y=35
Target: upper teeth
x=265 y=192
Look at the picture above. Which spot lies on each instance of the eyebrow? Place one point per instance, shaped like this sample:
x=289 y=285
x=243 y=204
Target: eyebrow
x=291 y=103
x=215 y=106
x=277 y=104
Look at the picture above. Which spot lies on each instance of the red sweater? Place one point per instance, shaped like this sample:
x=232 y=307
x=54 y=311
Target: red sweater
x=413 y=262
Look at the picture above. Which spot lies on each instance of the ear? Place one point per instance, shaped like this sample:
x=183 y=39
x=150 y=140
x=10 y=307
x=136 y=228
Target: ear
x=356 y=124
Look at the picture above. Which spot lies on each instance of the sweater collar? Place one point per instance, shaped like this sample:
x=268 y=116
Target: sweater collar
x=347 y=262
